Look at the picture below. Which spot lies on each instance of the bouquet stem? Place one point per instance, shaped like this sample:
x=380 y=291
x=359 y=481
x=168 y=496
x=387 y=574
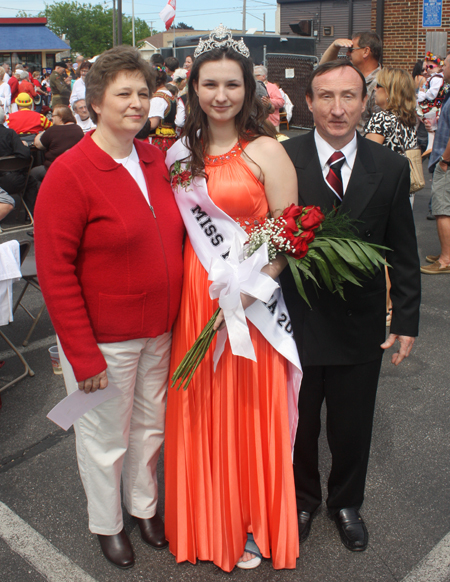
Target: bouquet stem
x=195 y=355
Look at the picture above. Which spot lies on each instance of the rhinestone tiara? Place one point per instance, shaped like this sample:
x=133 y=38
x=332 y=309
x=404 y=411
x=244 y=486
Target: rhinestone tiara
x=221 y=37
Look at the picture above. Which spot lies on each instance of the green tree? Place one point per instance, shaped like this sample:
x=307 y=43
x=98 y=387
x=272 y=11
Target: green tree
x=88 y=27
x=182 y=25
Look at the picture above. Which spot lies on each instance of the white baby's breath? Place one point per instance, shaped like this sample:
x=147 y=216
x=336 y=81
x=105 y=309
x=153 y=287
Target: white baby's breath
x=270 y=232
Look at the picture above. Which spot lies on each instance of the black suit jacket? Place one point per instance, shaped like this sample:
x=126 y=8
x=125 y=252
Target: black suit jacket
x=335 y=331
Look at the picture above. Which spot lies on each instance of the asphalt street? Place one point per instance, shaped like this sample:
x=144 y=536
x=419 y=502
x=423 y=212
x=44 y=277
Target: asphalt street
x=43 y=519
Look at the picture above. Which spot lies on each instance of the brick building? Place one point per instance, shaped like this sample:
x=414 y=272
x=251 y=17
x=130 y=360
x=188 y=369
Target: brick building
x=398 y=22
x=405 y=40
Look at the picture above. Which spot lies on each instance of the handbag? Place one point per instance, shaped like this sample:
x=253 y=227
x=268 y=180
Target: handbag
x=416 y=169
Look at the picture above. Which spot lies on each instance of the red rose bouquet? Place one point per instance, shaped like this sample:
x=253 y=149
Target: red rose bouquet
x=324 y=249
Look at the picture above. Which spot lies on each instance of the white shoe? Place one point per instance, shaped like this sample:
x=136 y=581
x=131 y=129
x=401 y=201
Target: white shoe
x=251 y=548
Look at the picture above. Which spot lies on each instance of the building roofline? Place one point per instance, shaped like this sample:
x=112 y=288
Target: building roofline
x=23 y=21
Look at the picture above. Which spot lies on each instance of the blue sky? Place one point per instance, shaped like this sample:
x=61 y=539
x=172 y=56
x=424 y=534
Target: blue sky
x=201 y=14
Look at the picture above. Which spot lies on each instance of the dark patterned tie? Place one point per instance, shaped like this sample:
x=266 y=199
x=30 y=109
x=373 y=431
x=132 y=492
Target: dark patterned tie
x=334 y=178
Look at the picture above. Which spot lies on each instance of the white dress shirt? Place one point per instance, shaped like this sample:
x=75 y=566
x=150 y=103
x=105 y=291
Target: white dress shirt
x=325 y=151
x=78 y=91
x=5 y=96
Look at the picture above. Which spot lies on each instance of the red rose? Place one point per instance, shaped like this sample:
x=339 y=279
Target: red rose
x=291 y=214
x=185 y=176
x=299 y=244
x=312 y=218
x=308 y=236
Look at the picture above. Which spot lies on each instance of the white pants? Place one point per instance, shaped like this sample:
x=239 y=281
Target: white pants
x=123 y=436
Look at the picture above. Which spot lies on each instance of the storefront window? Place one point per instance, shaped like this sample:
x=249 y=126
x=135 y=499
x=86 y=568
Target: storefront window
x=50 y=61
x=14 y=60
x=33 y=60
x=5 y=58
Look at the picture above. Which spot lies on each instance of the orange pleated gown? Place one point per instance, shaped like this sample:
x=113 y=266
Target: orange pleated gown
x=228 y=464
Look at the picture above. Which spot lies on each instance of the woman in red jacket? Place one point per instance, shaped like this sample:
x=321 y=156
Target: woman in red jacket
x=108 y=240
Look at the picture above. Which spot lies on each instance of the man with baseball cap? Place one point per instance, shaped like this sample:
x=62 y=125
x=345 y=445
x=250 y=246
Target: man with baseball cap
x=60 y=89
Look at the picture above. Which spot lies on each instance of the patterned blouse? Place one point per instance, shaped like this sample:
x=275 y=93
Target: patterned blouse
x=398 y=136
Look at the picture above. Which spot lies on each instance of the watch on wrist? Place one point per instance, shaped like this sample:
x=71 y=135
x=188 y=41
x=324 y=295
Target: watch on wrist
x=447 y=163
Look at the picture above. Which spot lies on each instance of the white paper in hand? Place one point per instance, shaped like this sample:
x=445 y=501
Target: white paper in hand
x=71 y=408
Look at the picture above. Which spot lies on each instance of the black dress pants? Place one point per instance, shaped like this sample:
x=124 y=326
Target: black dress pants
x=349 y=392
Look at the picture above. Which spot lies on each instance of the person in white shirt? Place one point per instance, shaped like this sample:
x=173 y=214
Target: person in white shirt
x=288 y=105
x=79 y=88
x=82 y=115
x=180 y=80
x=160 y=127
x=7 y=72
x=431 y=96
x=5 y=91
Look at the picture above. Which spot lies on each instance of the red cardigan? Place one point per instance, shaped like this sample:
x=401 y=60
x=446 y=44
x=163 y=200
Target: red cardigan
x=109 y=270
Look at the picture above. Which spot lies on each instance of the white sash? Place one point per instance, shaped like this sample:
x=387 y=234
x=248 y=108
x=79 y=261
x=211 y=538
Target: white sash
x=213 y=234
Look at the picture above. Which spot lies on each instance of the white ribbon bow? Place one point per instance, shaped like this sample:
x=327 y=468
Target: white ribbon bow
x=231 y=277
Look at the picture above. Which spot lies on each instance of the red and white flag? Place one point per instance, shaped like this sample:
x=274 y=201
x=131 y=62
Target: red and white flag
x=167 y=15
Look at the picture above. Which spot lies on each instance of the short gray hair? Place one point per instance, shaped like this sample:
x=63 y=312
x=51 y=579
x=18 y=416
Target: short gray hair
x=24 y=75
x=74 y=104
x=2 y=116
x=260 y=70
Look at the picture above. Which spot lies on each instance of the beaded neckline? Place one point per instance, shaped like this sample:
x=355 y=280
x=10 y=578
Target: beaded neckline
x=235 y=151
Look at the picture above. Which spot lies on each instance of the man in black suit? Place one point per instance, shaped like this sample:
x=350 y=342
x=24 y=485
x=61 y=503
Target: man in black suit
x=341 y=343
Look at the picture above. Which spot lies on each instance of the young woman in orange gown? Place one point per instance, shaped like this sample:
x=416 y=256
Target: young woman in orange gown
x=228 y=464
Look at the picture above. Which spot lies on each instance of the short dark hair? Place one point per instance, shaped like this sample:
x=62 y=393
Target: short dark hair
x=370 y=39
x=105 y=70
x=172 y=63
x=65 y=113
x=83 y=65
x=156 y=59
x=331 y=66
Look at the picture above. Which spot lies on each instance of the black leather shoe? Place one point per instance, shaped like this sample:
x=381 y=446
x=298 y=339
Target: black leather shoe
x=117 y=549
x=152 y=531
x=304 y=525
x=352 y=529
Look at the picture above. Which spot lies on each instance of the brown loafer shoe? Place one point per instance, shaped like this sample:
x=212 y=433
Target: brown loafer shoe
x=352 y=530
x=435 y=269
x=152 y=531
x=432 y=258
x=117 y=549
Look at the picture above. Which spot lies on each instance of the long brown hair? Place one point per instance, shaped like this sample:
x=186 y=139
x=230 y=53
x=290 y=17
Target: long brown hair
x=249 y=121
x=401 y=93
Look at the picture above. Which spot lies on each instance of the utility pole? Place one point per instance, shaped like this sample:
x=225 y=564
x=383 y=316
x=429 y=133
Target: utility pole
x=264 y=22
x=119 y=22
x=114 y=22
x=132 y=23
x=244 y=11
